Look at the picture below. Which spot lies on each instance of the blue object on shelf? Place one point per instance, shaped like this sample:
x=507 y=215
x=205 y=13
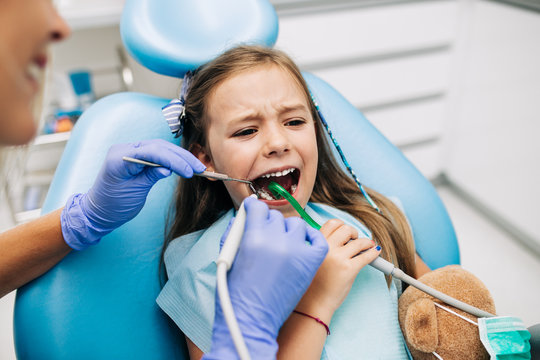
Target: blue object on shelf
x=81 y=81
x=82 y=85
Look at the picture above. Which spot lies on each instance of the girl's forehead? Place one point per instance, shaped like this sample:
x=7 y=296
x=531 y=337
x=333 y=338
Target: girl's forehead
x=268 y=84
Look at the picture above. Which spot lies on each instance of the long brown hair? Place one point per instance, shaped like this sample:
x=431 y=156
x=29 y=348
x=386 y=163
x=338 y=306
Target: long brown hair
x=200 y=202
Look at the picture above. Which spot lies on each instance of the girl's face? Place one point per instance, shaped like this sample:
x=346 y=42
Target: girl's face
x=261 y=129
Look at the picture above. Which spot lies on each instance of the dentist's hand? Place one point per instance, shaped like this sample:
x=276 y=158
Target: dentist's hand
x=275 y=264
x=120 y=189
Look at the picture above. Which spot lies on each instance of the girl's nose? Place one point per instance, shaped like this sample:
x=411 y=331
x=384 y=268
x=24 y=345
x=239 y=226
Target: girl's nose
x=277 y=142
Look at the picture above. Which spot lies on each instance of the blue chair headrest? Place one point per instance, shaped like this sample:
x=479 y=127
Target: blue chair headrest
x=171 y=37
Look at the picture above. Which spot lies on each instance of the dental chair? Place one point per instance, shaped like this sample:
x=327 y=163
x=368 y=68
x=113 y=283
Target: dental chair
x=100 y=303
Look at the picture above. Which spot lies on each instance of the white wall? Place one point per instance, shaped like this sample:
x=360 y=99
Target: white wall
x=392 y=62
x=492 y=149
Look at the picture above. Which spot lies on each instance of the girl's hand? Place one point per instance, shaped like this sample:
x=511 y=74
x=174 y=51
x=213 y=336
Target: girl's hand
x=347 y=255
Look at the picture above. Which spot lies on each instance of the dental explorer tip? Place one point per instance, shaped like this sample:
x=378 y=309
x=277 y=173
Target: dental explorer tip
x=253 y=189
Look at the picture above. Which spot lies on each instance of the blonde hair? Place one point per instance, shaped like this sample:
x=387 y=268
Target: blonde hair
x=199 y=202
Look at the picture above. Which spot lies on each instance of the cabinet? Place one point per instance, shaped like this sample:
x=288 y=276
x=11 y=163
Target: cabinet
x=391 y=61
x=493 y=150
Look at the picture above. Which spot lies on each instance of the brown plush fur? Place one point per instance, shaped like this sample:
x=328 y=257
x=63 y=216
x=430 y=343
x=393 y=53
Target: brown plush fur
x=428 y=328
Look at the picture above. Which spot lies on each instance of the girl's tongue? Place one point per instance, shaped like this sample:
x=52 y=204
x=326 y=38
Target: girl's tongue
x=289 y=183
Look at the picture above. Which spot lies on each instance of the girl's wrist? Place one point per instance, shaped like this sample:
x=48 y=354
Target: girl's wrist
x=319 y=304
x=324 y=313
x=316 y=319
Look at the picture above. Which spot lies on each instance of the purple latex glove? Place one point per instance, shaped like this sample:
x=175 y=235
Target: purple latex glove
x=120 y=189
x=276 y=262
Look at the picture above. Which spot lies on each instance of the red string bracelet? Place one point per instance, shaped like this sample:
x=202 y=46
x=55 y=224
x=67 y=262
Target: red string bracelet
x=316 y=319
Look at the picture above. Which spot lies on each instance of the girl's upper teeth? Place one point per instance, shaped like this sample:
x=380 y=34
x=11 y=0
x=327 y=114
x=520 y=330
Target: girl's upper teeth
x=279 y=173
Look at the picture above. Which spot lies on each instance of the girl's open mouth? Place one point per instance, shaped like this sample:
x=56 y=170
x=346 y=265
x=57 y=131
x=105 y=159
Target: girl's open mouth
x=287 y=178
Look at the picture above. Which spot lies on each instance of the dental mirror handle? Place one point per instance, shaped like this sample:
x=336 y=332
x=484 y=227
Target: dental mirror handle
x=206 y=174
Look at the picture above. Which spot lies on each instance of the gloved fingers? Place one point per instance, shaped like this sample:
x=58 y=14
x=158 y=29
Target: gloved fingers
x=180 y=157
x=318 y=241
x=256 y=212
x=365 y=258
x=276 y=222
x=170 y=156
x=157 y=173
x=357 y=246
x=297 y=228
x=115 y=165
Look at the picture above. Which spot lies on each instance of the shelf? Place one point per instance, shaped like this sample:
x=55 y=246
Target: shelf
x=25 y=216
x=51 y=138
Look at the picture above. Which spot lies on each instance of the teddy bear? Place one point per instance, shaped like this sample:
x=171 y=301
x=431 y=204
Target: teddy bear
x=427 y=328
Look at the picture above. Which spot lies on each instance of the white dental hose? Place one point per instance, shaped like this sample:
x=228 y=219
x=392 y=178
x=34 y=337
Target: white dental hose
x=224 y=263
x=389 y=269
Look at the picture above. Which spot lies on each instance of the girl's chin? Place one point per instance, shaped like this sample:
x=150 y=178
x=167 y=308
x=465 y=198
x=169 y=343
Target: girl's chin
x=275 y=204
x=282 y=206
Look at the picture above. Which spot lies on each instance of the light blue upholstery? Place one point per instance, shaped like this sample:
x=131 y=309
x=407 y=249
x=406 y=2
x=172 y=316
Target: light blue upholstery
x=100 y=303
x=383 y=167
x=188 y=33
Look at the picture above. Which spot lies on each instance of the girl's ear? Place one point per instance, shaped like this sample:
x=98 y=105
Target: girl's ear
x=203 y=156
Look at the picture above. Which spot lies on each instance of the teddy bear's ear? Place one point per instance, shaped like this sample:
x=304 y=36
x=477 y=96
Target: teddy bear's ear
x=421 y=326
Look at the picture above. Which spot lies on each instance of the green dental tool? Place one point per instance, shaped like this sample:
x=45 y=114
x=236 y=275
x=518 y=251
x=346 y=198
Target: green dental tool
x=280 y=192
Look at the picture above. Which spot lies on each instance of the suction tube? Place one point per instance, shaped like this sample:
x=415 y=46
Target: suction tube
x=389 y=269
x=224 y=262
x=385 y=266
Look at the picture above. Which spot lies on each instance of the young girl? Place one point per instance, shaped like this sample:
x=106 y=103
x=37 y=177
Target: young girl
x=249 y=114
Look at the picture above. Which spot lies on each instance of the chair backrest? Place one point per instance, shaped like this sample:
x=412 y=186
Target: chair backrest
x=100 y=303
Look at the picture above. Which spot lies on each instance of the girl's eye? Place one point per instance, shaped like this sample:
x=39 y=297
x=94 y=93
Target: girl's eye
x=295 y=122
x=245 y=132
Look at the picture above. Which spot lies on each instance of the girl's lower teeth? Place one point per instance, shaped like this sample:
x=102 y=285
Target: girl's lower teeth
x=262 y=193
x=265 y=195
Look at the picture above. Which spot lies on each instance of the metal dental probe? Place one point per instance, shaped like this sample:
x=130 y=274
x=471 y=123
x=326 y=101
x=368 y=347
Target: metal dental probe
x=206 y=174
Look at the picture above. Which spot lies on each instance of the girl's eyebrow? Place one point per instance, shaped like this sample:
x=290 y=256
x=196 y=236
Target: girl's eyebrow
x=246 y=116
x=290 y=108
x=282 y=109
